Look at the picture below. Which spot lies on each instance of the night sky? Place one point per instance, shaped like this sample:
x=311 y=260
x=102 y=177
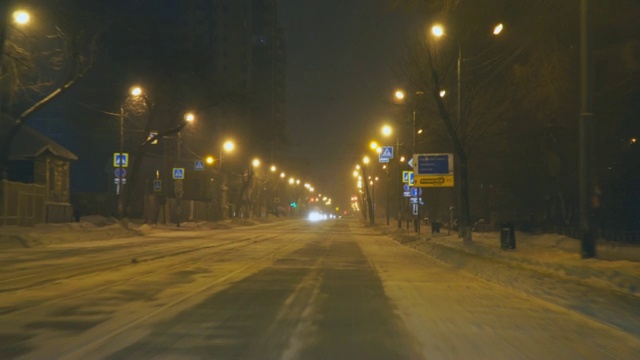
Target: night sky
x=340 y=78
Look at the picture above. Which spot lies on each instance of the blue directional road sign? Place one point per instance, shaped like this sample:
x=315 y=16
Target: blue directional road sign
x=157 y=185
x=415 y=192
x=120 y=160
x=198 y=165
x=407 y=177
x=178 y=173
x=382 y=159
x=387 y=152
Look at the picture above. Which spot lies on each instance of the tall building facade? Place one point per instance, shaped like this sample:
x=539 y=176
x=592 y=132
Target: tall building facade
x=239 y=48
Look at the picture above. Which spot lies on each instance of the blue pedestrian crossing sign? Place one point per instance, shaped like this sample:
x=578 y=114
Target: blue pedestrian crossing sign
x=178 y=173
x=387 y=152
x=157 y=185
x=407 y=177
x=120 y=159
x=198 y=165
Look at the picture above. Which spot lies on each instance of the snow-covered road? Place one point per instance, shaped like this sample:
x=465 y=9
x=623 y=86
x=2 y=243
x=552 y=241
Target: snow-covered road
x=287 y=290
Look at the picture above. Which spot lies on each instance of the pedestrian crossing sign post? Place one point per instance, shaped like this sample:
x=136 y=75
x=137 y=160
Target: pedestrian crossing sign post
x=120 y=159
x=157 y=185
x=407 y=177
x=387 y=152
x=178 y=173
x=198 y=165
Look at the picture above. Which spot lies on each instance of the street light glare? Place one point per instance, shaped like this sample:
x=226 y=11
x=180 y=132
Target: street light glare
x=399 y=94
x=387 y=130
x=498 y=29
x=21 y=17
x=189 y=117
x=136 y=91
x=273 y=168
x=379 y=150
x=443 y=93
x=291 y=181
x=282 y=175
x=209 y=160
x=373 y=145
x=365 y=159
x=255 y=162
x=229 y=145
x=437 y=30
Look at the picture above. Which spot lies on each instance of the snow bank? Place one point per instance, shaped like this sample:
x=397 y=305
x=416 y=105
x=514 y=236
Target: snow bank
x=616 y=268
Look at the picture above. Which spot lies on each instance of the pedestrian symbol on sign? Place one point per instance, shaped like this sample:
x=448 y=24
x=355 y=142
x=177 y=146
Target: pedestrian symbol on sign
x=387 y=152
x=157 y=185
x=120 y=159
x=198 y=165
x=178 y=173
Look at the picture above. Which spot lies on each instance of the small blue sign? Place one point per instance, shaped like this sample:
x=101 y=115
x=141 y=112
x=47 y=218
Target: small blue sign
x=178 y=173
x=411 y=178
x=387 y=152
x=407 y=176
x=415 y=192
x=120 y=172
x=382 y=159
x=157 y=185
x=198 y=165
x=406 y=187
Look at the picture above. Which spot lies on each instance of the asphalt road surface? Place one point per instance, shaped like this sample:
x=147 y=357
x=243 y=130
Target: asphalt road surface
x=286 y=290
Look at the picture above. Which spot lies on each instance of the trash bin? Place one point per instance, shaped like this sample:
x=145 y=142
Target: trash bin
x=507 y=235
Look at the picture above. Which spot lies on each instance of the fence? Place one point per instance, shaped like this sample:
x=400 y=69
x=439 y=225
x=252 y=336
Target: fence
x=22 y=204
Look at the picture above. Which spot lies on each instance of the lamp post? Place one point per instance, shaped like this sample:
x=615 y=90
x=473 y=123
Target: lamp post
x=400 y=96
x=178 y=186
x=589 y=197
x=135 y=91
x=438 y=31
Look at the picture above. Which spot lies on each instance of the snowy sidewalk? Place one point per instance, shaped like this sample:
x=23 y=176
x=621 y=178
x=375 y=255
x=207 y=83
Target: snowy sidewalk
x=617 y=267
x=546 y=266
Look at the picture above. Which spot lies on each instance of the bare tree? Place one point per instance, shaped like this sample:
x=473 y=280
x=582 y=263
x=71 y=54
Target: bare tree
x=35 y=70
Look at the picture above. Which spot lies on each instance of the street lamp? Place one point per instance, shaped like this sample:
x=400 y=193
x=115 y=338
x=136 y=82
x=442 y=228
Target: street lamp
x=21 y=17
x=438 y=31
x=255 y=163
x=228 y=146
x=136 y=92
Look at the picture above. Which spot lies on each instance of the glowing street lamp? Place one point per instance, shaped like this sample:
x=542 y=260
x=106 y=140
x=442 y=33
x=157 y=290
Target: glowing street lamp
x=292 y=181
x=373 y=145
x=255 y=162
x=136 y=91
x=273 y=168
x=437 y=30
x=282 y=175
x=387 y=130
x=229 y=146
x=209 y=160
x=189 y=117
x=498 y=29
x=21 y=17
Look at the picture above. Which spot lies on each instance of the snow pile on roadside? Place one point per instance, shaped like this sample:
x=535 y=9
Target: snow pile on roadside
x=551 y=254
x=96 y=228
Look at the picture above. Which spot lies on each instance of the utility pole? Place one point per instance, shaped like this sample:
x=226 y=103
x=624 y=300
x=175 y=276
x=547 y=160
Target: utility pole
x=586 y=132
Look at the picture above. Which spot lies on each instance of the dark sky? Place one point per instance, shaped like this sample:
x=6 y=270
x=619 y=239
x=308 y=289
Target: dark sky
x=341 y=55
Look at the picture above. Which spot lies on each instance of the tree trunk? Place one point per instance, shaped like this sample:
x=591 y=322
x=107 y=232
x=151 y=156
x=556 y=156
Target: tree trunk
x=464 y=223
